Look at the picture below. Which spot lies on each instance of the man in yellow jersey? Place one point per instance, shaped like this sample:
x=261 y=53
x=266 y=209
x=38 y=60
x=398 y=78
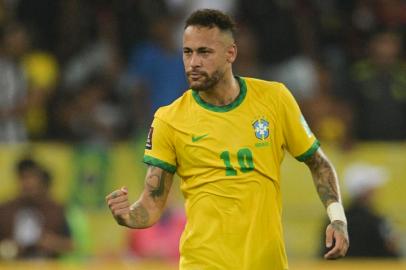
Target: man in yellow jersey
x=226 y=137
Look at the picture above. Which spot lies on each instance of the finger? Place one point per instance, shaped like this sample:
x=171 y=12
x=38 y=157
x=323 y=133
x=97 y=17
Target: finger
x=121 y=212
x=344 y=247
x=329 y=236
x=337 y=250
x=342 y=243
x=115 y=194
x=124 y=190
x=119 y=199
x=112 y=195
x=333 y=253
x=121 y=205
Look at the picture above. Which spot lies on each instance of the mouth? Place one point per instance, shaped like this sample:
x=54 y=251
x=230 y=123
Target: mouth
x=195 y=75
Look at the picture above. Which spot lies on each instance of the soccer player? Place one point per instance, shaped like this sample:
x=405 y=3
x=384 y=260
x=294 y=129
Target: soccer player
x=226 y=138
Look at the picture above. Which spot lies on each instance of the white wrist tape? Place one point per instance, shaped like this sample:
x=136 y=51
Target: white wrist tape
x=335 y=211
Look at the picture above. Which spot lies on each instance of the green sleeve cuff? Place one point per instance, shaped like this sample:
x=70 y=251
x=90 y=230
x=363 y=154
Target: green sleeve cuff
x=309 y=152
x=159 y=163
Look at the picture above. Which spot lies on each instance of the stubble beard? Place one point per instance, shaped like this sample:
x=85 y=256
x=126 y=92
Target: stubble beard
x=208 y=83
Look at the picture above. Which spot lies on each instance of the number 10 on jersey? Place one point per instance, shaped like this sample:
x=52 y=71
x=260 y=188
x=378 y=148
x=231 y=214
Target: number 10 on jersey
x=245 y=160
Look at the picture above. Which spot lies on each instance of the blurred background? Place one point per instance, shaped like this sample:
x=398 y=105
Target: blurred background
x=80 y=80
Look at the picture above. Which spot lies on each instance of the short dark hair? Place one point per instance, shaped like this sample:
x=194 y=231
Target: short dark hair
x=211 y=18
x=29 y=164
x=26 y=164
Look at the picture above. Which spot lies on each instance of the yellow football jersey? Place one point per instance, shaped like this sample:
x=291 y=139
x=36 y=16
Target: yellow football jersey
x=228 y=159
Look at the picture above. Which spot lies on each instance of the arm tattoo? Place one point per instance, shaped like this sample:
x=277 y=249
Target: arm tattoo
x=155 y=182
x=147 y=210
x=324 y=178
x=155 y=185
x=139 y=216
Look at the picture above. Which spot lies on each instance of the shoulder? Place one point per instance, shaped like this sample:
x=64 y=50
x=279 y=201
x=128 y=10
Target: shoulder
x=264 y=87
x=271 y=92
x=176 y=110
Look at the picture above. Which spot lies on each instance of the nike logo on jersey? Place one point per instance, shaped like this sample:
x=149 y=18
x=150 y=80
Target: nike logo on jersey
x=198 y=138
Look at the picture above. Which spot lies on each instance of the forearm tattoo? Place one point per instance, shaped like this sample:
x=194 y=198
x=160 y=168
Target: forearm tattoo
x=146 y=211
x=139 y=216
x=324 y=177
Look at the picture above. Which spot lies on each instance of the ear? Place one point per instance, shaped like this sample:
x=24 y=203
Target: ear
x=231 y=53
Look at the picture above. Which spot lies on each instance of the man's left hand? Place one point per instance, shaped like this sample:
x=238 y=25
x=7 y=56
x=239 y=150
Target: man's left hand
x=336 y=240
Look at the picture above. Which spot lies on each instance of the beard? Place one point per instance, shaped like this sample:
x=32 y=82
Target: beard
x=205 y=82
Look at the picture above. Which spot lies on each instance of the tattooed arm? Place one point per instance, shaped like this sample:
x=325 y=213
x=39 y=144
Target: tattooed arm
x=326 y=182
x=147 y=210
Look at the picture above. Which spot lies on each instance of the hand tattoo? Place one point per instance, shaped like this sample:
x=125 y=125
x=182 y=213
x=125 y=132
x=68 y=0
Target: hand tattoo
x=340 y=226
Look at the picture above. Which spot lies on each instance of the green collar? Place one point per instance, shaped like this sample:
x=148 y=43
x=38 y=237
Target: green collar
x=226 y=108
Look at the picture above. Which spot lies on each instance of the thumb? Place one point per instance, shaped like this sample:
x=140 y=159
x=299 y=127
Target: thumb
x=329 y=236
x=124 y=190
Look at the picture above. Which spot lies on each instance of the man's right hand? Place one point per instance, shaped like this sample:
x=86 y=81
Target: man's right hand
x=119 y=205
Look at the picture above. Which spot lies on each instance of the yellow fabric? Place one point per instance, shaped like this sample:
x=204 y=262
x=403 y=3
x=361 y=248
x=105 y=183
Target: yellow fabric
x=234 y=214
x=41 y=70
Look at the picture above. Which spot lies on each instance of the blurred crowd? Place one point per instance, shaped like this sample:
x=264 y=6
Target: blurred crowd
x=95 y=71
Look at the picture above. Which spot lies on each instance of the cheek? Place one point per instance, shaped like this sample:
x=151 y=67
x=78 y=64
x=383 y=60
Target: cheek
x=217 y=65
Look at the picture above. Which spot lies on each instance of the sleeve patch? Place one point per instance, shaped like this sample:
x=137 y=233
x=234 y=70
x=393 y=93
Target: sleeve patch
x=148 y=145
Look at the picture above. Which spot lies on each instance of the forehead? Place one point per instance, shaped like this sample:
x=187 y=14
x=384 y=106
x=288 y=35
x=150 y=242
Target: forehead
x=200 y=36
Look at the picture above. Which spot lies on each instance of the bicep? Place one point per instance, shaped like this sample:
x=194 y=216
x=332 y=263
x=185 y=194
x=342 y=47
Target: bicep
x=158 y=183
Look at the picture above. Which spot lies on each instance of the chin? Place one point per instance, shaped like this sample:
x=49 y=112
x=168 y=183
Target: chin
x=196 y=86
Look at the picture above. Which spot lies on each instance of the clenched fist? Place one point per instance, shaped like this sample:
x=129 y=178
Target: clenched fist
x=119 y=205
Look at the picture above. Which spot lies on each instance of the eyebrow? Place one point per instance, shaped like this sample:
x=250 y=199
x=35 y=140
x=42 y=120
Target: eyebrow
x=199 y=49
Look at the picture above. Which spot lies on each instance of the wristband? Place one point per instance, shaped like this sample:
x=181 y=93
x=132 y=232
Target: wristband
x=335 y=211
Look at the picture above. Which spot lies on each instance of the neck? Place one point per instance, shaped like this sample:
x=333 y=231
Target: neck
x=223 y=93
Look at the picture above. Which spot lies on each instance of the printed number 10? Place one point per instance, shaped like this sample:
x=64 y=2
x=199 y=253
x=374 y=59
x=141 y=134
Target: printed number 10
x=245 y=160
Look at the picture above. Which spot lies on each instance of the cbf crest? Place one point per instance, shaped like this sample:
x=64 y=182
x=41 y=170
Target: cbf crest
x=261 y=128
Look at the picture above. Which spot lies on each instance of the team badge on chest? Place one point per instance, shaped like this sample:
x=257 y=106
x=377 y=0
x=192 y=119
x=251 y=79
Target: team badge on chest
x=261 y=128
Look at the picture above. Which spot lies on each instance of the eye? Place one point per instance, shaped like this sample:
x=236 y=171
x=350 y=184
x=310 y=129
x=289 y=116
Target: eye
x=204 y=53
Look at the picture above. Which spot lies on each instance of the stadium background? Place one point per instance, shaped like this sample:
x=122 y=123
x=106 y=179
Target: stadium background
x=77 y=47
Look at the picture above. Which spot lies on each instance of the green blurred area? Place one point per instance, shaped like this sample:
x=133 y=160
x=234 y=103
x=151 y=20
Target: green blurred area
x=98 y=236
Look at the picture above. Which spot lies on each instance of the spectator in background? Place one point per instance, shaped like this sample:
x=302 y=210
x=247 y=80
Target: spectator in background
x=328 y=116
x=155 y=70
x=13 y=92
x=275 y=27
x=370 y=233
x=248 y=61
x=378 y=90
x=42 y=16
x=33 y=225
x=91 y=115
x=41 y=71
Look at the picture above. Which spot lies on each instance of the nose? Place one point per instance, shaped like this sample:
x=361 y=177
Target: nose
x=195 y=60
